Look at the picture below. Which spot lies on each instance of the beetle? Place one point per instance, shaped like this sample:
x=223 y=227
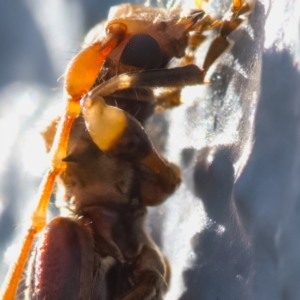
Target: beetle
x=106 y=167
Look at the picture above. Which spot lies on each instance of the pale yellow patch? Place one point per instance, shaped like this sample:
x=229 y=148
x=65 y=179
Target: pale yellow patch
x=105 y=123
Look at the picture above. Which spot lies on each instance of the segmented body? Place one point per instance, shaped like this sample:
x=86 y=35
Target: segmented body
x=109 y=171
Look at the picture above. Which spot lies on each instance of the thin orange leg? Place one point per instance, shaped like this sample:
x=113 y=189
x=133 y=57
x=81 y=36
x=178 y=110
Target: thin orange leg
x=80 y=76
x=13 y=277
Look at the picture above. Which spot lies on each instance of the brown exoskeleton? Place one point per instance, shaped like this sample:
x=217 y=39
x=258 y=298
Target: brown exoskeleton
x=107 y=168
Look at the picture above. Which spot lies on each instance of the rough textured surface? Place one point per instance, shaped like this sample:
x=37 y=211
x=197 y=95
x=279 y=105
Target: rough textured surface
x=224 y=240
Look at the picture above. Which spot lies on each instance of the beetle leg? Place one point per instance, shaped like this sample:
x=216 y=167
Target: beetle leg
x=172 y=79
x=220 y=42
x=196 y=36
x=150 y=276
x=103 y=223
x=78 y=82
x=63 y=261
x=175 y=77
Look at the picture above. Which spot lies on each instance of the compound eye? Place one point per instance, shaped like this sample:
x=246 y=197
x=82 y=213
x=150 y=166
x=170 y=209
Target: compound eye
x=142 y=51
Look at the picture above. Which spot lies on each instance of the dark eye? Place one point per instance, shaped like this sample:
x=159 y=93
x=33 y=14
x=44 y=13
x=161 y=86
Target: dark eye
x=142 y=51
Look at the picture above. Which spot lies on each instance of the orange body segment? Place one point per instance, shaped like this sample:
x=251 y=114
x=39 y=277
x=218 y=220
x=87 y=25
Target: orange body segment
x=83 y=70
x=85 y=66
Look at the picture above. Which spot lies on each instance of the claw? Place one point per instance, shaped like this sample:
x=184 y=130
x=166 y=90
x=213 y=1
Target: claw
x=217 y=47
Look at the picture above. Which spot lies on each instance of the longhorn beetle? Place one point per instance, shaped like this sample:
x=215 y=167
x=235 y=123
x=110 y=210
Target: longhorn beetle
x=105 y=165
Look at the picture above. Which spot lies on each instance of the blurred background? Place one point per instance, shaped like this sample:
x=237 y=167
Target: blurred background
x=232 y=229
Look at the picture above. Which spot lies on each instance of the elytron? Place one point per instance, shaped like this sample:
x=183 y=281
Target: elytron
x=103 y=161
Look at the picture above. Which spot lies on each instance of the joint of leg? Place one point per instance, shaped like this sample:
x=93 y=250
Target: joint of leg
x=73 y=106
x=38 y=221
x=205 y=23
